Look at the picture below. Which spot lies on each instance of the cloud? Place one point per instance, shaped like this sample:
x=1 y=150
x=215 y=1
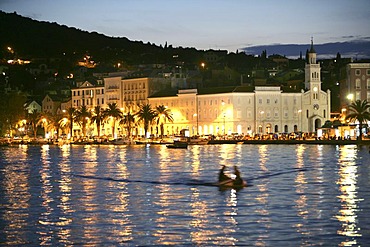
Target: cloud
x=359 y=48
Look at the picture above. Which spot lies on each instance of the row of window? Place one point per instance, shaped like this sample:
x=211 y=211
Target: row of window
x=133 y=86
x=215 y=102
x=358 y=83
x=214 y=113
x=87 y=92
x=315 y=75
x=87 y=102
x=358 y=72
x=276 y=129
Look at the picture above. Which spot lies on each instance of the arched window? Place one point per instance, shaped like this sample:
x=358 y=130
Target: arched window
x=358 y=84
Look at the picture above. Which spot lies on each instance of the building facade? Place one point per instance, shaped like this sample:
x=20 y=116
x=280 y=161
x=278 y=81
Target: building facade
x=128 y=94
x=245 y=110
x=88 y=95
x=221 y=111
x=357 y=85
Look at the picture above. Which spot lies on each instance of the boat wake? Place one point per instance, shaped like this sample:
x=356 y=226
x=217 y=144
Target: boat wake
x=189 y=183
x=277 y=174
x=192 y=182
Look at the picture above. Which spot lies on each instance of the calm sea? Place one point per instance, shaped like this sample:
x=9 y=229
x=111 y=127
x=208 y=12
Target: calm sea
x=298 y=195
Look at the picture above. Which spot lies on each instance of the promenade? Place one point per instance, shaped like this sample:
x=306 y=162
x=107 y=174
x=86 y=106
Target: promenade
x=210 y=142
x=296 y=141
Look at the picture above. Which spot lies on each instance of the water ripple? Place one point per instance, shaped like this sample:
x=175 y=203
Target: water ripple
x=148 y=195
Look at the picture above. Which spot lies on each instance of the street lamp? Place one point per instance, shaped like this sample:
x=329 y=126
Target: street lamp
x=350 y=96
x=300 y=116
x=223 y=110
x=261 y=121
x=196 y=115
x=197 y=112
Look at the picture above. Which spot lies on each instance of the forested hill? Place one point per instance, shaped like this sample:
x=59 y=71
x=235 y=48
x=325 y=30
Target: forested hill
x=31 y=38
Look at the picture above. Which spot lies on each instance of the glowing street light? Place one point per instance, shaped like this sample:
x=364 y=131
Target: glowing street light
x=223 y=110
x=300 y=115
x=350 y=96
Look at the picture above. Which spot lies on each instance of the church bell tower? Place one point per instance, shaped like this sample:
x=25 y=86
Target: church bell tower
x=312 y=71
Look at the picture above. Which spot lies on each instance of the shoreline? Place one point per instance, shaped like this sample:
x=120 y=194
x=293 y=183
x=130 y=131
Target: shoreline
x=211 y=142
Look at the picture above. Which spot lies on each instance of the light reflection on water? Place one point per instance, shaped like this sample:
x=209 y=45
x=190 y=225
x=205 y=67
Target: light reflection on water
x=150 y=195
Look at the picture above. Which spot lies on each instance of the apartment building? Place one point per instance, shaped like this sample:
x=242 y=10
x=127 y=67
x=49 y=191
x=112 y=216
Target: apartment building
x=357 y=85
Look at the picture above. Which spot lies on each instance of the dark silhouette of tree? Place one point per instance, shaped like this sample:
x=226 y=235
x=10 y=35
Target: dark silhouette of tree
x=145 y=116
x=128 y=122
x=82 y=117
x=71 y=115
x=163 y=114
x=114 y=113
x=359 y=111
x=11 y=111
x=33 y=118
x=98 y=117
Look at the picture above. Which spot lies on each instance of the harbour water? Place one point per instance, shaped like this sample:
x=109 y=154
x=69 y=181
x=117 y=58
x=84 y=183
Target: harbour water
x=149 y=195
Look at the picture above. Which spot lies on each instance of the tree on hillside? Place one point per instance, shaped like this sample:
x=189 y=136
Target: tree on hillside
x=359 y=111
x=11 y=111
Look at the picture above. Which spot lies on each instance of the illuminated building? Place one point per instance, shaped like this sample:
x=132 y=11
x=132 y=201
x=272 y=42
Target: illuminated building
x=248 y=110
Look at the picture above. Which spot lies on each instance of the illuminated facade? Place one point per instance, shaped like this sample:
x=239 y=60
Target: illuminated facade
x=357 y=85
x=219 y=111
x=246 y=110
x=88 y=95
x=123 y=92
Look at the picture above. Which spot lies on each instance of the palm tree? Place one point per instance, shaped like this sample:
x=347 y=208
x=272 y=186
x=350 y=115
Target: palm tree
x=115 y=113
x=128 y=122
x=98 y=118
x=359 y=110
x=146 y=115
x=163 y=114
x=71 y=116
x=82 y=116
x=33 y=118
x=54 y=122
x=44 y=122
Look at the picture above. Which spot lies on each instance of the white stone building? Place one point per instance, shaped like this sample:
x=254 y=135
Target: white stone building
x=246 y=110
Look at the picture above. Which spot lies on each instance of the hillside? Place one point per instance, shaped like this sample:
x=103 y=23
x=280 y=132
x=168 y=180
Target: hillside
x=35 y=39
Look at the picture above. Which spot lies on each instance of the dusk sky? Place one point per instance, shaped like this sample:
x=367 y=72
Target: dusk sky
x=207 y=24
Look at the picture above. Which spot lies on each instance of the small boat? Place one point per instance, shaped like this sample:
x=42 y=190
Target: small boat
x=178 y=144
x=121 y=141
x=197 y=141
x=230 y=184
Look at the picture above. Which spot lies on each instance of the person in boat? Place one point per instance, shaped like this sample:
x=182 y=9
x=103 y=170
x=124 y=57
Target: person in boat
x=222 y=176
x=238 y=181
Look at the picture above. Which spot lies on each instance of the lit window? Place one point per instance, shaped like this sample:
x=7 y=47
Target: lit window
x=358 y=83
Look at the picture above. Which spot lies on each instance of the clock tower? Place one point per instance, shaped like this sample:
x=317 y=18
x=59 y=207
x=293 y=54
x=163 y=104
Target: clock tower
x=312 y=71
x=315 y=102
